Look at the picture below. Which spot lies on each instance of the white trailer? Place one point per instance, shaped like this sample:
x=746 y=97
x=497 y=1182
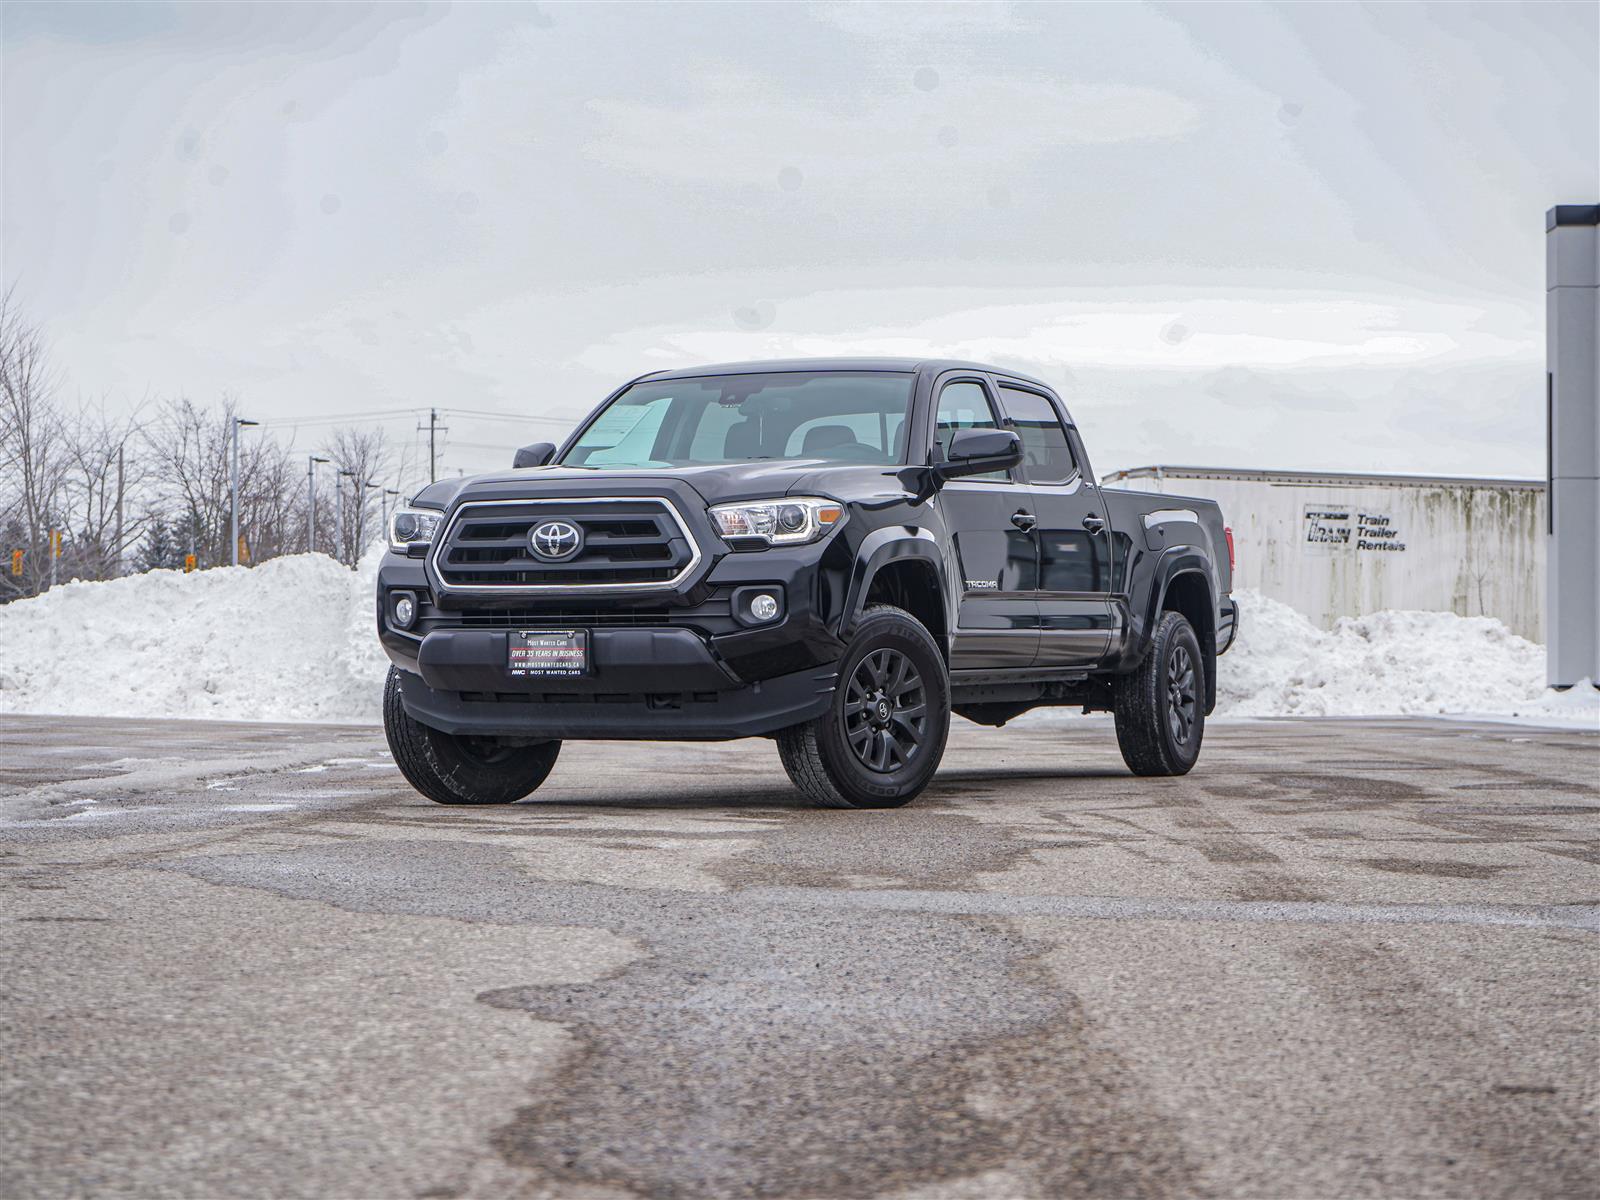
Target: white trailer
x=1334 y=545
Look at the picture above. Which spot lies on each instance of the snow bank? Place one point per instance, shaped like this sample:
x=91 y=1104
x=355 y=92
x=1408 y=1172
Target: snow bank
x=1388 y=663
x=292 y=640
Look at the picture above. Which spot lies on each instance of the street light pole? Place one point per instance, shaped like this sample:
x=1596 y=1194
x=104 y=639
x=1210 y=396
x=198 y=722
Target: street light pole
x=238 y=422
x=338 y=514
x=387 y=492
x=311 y=501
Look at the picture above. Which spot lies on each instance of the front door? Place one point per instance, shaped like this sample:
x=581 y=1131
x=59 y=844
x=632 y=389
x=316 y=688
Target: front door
x=990 y=518
x=1074 y=581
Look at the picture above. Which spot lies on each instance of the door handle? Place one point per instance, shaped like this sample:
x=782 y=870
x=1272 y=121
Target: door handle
x=1024 y=520
x=1094 y=523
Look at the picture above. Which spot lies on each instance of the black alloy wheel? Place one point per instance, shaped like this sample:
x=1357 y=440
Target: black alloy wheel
x=881 y=738
x=885 y=711
x=1182 y=700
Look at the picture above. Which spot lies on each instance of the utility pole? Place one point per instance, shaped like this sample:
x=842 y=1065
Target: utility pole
x=311 y=502
x=361 y=516
x=434 y=428
x=238 y=422
x=338 y=514
x=117 y=569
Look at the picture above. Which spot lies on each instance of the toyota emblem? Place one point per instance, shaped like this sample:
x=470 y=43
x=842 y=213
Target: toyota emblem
x=555 y=541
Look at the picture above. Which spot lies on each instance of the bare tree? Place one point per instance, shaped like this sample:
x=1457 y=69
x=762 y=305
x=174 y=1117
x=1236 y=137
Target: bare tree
x=33 y=460
x=106 y=468
x=150 y=488
x=191 y=449
x=360 y=459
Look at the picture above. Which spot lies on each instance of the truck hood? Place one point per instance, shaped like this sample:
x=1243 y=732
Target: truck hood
x=719 y=483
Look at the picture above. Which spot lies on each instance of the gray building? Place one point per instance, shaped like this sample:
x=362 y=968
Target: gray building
x=1339 y=545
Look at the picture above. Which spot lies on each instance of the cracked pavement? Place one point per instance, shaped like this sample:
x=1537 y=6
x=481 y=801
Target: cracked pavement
x=1341 y=957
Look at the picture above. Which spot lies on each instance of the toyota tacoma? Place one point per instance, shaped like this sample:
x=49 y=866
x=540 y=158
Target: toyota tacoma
x=837 y=554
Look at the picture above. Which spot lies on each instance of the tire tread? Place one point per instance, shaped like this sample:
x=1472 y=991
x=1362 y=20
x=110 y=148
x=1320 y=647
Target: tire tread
x=1140 y=719
x=416 y=755
x=806 y=761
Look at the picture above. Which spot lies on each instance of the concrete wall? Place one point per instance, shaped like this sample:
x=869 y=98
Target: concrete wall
x=1342 y=549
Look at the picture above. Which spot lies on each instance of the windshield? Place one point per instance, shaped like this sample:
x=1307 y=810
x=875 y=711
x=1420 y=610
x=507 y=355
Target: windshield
x=857 y=417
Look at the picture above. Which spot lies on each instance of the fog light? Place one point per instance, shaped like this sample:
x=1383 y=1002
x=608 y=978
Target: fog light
x=764 y=607
x=405 y=611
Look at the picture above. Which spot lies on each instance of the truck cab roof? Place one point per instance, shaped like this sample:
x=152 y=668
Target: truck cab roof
x=846 y=363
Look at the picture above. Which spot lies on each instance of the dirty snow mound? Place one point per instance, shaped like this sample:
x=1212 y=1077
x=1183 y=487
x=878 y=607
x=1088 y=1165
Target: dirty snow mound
x=1387 y=663
x=290 y=640
x=293 y=640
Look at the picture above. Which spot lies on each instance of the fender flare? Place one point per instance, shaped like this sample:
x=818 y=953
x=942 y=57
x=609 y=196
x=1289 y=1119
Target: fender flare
x=892 y=544
x=1175 y=562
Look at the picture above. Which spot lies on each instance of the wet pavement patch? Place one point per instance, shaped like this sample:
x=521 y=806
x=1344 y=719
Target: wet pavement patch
x=768 y=1046
x=1441 y=870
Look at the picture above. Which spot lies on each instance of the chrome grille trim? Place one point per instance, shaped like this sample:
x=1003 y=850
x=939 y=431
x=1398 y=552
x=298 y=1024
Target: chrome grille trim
x=436 y=578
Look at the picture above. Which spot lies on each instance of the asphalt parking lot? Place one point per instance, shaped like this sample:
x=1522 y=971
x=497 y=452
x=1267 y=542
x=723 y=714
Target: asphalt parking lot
x=1340 y=959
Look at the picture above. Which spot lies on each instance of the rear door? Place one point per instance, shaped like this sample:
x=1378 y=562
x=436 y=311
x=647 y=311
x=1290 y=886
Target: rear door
x=1074 y=581
x=990 y=518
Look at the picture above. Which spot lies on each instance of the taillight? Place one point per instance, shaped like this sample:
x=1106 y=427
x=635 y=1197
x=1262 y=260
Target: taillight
x=1227 y=532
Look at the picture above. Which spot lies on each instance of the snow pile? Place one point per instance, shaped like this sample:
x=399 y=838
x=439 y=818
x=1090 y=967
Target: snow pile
x=1388 y=663
x=290 y=640
x=294 y=640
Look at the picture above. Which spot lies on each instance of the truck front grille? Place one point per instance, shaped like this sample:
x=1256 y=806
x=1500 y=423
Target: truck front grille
x=711 y=616
x=628 y=543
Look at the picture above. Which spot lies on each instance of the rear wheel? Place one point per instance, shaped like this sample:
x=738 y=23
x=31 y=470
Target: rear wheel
x=881 y=739
x=448 y=768
x=1160 y=708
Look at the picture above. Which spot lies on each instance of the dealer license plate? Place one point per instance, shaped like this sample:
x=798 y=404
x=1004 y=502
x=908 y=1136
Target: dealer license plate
x=548 y=652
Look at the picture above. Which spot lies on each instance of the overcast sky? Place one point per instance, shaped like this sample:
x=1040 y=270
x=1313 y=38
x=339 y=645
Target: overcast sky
x=1304 y=236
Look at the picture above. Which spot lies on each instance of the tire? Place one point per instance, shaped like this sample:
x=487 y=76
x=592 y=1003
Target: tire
x=451 y=769
x=881 y=739
x=1160 y=707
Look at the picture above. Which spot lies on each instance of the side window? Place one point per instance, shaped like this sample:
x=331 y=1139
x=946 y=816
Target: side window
x=1046 y=454
x=964 y=405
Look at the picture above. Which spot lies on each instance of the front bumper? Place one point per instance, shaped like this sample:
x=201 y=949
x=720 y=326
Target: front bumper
x=712 y=715
x=665 y=667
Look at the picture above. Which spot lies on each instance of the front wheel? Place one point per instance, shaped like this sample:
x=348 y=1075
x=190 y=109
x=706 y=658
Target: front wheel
x=1160 y=708
x=881 y=739
x=448 y=768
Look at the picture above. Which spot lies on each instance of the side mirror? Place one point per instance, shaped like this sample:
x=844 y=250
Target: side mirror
x=536 y=455
x=977 y=451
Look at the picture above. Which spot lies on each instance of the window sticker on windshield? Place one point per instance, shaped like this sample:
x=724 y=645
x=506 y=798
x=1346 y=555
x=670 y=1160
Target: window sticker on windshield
x=618 y=421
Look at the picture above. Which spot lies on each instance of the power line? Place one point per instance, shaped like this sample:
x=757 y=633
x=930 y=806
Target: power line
x=480 y=414
x=453 y=444
x=386 y=414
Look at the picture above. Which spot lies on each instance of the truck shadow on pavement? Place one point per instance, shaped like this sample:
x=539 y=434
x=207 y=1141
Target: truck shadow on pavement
x=948 y=787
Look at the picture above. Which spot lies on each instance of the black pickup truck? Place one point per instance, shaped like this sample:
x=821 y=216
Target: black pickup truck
x=836 y=553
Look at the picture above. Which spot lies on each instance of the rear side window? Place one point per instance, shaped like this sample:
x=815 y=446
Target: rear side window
x=1046 y=453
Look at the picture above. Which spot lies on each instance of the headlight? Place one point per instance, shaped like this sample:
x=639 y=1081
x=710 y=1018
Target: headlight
x=410 y=527
x=790 y=521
